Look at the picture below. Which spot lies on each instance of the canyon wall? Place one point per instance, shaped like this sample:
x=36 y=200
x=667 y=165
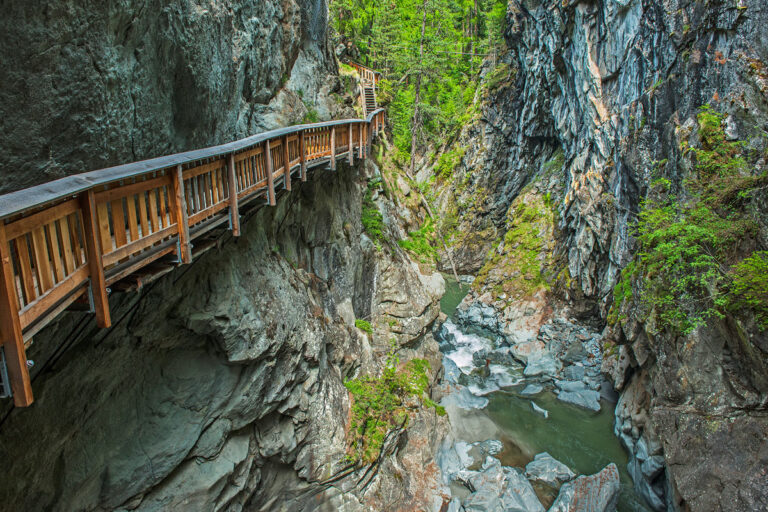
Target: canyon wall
x=220 y=385
x=93 y=84
x=590 y=103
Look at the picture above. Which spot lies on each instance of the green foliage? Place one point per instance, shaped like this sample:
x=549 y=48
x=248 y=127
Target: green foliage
x=419 y=242
x=749 y=288
x=383 y=403
x=449 y=160
x=686 y=241
x=458 y=33
x=364 y=325
x=500 y=74
x=373 y=222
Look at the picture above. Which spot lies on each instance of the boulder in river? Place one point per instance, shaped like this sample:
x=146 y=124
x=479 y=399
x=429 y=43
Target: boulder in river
x=532 y=389
x=585 y=398
x=464 y=399
x=540 y=410
x=594 y=493
x=549 y=470
x=498 y=487
x=541 y=365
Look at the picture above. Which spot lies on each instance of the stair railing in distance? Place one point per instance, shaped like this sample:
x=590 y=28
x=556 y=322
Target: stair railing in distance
x=70 y=239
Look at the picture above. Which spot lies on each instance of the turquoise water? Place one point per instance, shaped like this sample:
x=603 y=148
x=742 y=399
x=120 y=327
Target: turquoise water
x=581 y=439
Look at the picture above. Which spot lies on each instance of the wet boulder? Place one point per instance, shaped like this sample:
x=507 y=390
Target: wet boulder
x=594 y=493
x=498 y=487
x=549 y=470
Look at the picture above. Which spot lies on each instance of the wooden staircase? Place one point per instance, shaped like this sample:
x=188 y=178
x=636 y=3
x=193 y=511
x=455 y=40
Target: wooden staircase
x=369 y=97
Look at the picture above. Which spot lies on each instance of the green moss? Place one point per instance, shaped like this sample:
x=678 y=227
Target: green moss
x=501 y=74
x=371 y=218
x=364 y=326
x=520 y=268
x=380 y=404
x=419 y=242
x=448 y=161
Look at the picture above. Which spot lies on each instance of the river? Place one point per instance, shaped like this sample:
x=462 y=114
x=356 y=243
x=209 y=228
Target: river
x=581 y=439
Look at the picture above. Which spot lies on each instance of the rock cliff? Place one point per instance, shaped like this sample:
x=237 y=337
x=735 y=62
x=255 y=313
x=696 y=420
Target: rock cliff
x=221 y=385
x=591 y=102
x=92 y=84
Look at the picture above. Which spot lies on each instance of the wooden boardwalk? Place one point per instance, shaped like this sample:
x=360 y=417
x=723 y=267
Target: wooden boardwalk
x=69 y=239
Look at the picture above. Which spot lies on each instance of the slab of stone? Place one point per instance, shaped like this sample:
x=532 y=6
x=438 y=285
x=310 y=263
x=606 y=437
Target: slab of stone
x=498 y=488
x=541 y=365
x=594 y=493
x=588 y=399
x=549 y=470
x=532 y=389
x=464 y=399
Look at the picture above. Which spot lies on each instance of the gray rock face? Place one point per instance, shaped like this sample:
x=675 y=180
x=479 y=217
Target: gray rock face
x=500 y=488
x=609 y=87
x=125 y=81
x=595 y=493
x=222 y=383
x=549 y=470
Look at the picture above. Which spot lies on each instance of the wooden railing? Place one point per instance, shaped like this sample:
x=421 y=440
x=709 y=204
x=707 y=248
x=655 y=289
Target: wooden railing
x=70 y=239
x=366 y=74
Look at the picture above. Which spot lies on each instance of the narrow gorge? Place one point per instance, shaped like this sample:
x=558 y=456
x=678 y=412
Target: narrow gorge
x=417 y=255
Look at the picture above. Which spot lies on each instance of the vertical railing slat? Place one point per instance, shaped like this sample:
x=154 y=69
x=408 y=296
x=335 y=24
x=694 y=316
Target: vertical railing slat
x=270 y=180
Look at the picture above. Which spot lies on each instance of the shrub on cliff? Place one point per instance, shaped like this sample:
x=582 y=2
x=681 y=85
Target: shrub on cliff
x=687 y=269
x=380 y=404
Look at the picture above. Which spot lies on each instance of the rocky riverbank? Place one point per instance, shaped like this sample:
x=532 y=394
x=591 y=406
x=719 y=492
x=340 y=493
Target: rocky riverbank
x=548 y=380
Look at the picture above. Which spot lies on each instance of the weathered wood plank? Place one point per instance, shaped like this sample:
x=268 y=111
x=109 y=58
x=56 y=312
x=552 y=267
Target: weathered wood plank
x=103 y=224
x=180 y=207
x=39 y=306
x=118 y=222
x=10 y=328
x=25 y=268
x=55 y=252
x=234 y=214
x=66 y=245
x=303 y=156
x=333 y=148
x=107 y=196
x=27 y=224
x=42 y=264
x=133 y=226
x=94 y=253
x=154 y=221
x=270 y=178
x=286 y=165
x=138 y=246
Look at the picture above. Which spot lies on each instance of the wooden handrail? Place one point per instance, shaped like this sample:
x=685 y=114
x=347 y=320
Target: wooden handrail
x=71 y=238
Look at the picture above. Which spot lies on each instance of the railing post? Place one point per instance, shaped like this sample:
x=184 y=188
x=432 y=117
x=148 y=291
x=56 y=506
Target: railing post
x=350 y=146
x=303 y=153
x=360 y=140
x=270 y=180
x=94 y=254
x=180 y=207
x=333 y=148
x=234 y=211
x=286 y=164
x=10 y=329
